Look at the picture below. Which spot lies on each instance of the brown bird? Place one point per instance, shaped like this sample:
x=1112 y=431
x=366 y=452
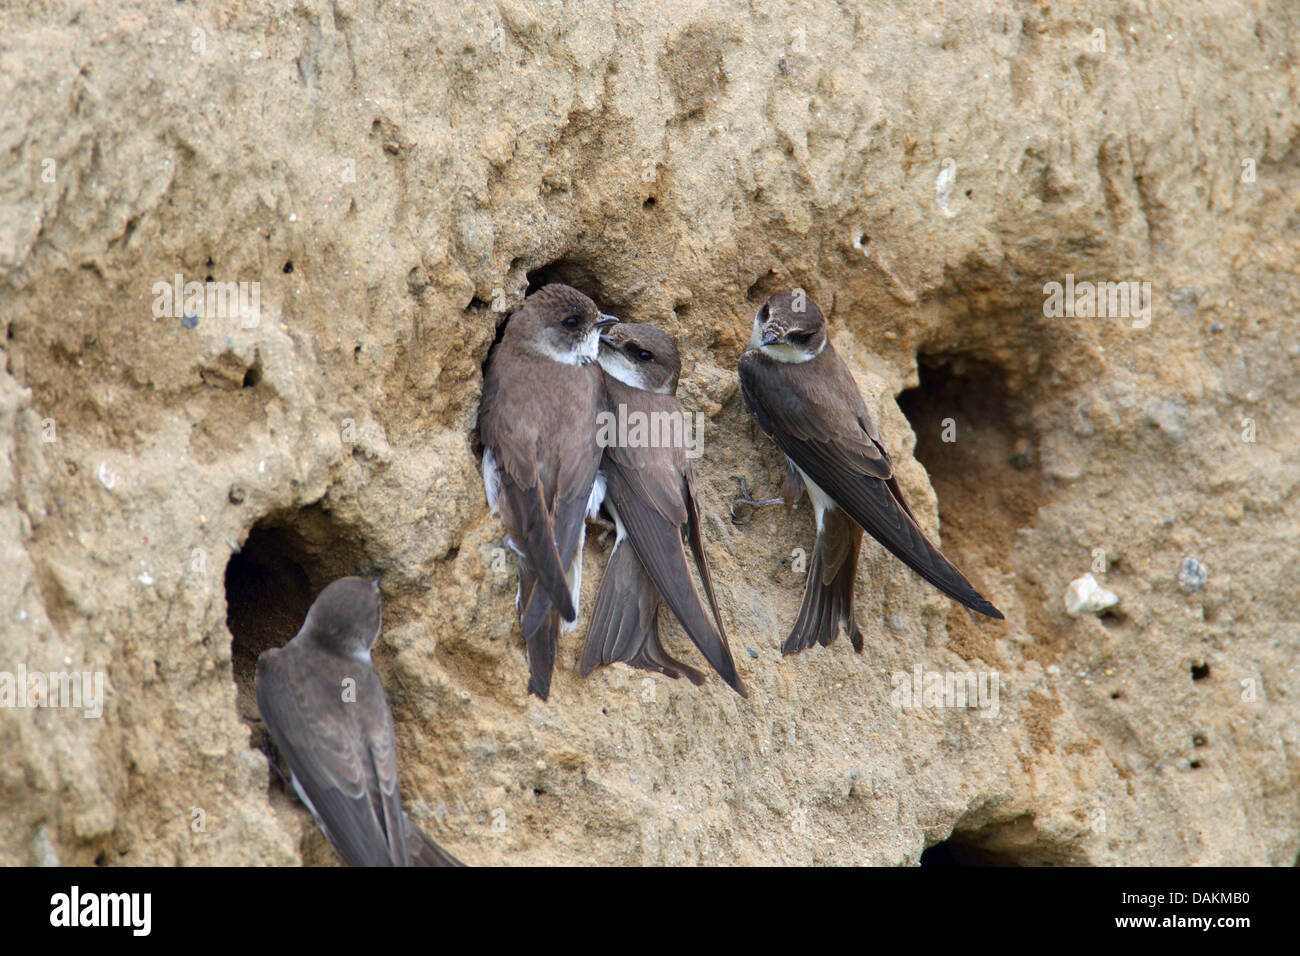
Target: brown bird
x=326 y=710
x=537 y=419
x=650 y=494
x=804 y=397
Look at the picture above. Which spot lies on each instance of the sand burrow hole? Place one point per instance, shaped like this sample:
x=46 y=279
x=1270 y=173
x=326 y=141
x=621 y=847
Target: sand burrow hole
x=288 y=558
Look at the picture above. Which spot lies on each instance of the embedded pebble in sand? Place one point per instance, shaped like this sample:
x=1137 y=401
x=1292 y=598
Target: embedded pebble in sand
x=1086 y=596
x=1192 y=575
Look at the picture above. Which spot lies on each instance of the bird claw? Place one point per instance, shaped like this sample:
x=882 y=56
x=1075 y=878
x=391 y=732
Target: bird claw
x=606 y=528
x=743 y=507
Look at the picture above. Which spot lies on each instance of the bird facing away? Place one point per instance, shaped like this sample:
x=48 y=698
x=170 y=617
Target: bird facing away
x=326 y=710
x=803 y=396
x=541 y=394
x=650 y=494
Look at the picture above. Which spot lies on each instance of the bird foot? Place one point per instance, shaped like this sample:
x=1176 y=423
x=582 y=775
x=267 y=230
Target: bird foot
x=606 y=528
x=743 y=507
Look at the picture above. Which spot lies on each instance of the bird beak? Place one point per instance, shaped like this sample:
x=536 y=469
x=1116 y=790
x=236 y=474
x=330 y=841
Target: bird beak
x=771 y=337
x=605 y=321
x=606 y=340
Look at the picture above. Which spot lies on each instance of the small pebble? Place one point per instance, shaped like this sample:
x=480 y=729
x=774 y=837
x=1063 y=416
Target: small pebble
x=752 y=653
x=1086 y=596
x=1192 y=575
x=43 y=849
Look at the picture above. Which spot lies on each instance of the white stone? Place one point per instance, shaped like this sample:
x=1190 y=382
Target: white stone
x=1086 y=596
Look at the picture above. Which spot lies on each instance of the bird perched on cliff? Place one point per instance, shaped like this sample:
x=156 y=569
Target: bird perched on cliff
x=326 y=710
x=537 y=420
x=650 y=494
x=804 y=397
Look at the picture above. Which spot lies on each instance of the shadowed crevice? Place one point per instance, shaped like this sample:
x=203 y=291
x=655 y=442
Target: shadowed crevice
x=270 y=582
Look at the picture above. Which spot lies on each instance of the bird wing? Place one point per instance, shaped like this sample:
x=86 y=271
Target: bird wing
x=695 y=537
x=544 y=472
x=349 y=780
x=424 y=851
x=647 y=488
x=625 y=621
x=803 y=409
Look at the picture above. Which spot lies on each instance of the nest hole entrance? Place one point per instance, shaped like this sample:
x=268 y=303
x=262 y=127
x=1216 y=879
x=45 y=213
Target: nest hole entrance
x=974 y=440
x=572 y=271
x=1016 y=842
x=270 y=583
x=768 y=284
x=955 y=852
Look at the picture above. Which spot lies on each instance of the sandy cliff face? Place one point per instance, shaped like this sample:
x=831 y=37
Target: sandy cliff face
x=174 y=490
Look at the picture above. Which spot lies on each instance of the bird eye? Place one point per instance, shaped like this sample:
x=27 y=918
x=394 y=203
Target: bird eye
x=644 y=355
x=572 y=321
x=799 y=338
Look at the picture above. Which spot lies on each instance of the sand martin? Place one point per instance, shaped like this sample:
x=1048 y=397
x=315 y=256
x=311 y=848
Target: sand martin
x=537 y=420
x=650 y=494
x=804 y=397
x=326 y=710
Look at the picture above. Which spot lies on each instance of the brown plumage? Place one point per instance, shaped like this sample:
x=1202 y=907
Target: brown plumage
x=537 y=419
x=650 y=492
x=625 y=621
x=325 y=708
x=804 y=397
